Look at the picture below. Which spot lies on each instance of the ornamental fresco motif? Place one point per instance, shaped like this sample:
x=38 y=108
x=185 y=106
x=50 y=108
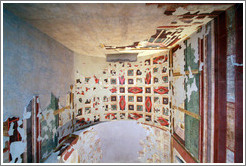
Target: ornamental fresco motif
x=126 y=90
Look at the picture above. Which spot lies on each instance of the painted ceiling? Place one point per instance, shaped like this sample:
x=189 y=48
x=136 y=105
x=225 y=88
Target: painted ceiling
x=98 y=29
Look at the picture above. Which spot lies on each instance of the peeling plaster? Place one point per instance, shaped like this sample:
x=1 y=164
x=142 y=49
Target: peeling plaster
x=16 y=149
x=206 y=8
x=11 y=129
x=26 y=115
x=181 y=11
x=179 y=64
x=156 y=146
x=193 y=40
x=87 y=148
x=178 y=59
x=190 y=73
x=191 y=88
x=201 y=66
x=179 y=94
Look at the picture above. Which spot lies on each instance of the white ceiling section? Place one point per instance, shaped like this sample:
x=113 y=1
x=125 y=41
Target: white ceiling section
x=97 y=29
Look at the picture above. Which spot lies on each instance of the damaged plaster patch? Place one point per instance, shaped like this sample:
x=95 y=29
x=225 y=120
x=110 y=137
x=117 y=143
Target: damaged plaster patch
x=53 y=158
x=201 y=66
x=194 y=41
x=181 y=11
x=21 y=131
x=179 y=95
x=190 y=73
x=206 y=8
x=26 y=115
x=48 y=115
x=16 y=149
x=87 y=149
x=191 y=88
x=91 y=147
x=178 y=60
x=11 y=129
x=156 y=146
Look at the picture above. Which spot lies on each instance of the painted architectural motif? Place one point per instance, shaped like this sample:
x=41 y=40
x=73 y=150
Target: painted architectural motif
x=129 y=95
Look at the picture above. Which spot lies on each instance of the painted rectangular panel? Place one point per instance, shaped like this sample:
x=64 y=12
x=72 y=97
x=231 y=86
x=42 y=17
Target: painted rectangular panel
x=122 y=57
x=143 y=86
x=192 y=124
x=192 y=135
x=179 y=123
x=48 y=126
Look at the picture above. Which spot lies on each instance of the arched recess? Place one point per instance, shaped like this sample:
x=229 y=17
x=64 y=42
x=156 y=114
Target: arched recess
x=115 y=142
x=121 y=91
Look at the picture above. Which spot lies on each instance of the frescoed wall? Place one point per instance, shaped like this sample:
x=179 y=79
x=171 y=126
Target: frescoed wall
x=60 y=106
x=190 y=60
x=128 y=90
